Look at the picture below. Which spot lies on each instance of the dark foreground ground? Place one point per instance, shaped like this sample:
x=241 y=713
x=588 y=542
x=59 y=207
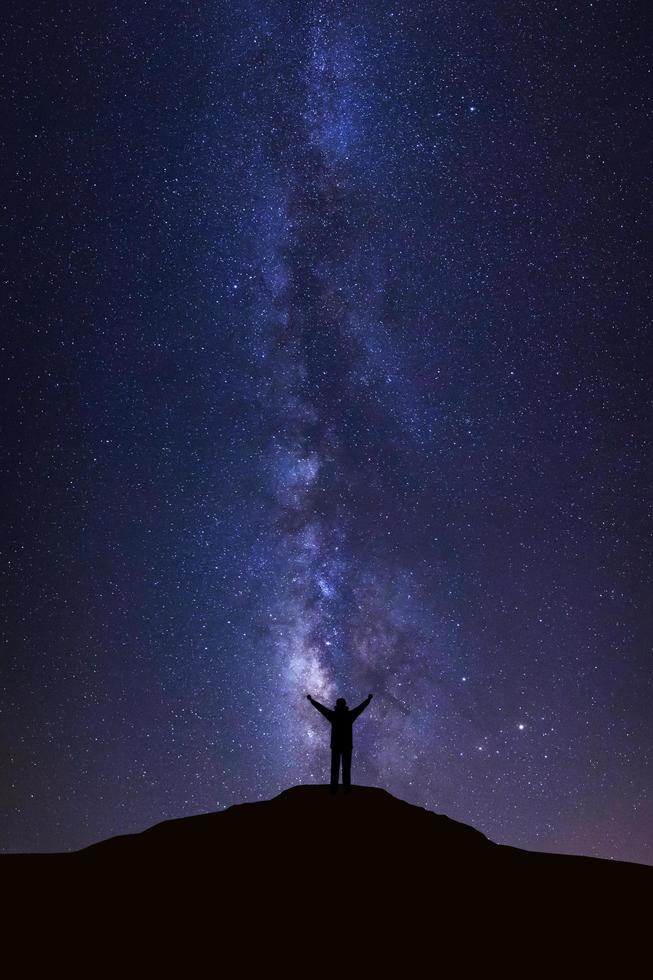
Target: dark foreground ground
x=309 y=882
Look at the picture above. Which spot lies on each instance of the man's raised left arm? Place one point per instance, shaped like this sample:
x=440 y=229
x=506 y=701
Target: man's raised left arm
x=320 y=707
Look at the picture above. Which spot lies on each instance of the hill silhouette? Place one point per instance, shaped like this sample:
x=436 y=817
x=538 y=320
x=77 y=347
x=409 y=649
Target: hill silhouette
x=310 y=871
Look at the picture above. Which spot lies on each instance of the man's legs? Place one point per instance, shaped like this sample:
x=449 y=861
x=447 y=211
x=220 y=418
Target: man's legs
x=335 y=769
x=346 y=769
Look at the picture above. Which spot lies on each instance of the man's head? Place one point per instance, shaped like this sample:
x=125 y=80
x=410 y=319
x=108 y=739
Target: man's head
x=341 y=704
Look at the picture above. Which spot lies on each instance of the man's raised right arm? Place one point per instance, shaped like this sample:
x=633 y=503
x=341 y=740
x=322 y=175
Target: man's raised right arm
x=354 y=713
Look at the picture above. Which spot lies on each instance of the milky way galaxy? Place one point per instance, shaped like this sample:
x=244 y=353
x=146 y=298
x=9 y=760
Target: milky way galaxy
x=325 y=376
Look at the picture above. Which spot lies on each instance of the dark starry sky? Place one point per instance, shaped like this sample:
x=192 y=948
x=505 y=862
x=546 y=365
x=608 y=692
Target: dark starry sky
x=324 y=371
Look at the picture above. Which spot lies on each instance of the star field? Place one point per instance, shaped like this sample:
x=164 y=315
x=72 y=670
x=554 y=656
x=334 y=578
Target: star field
x=325 y=371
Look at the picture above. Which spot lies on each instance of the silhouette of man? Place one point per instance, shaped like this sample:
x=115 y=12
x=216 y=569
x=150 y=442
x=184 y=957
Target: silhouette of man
x=342 y=719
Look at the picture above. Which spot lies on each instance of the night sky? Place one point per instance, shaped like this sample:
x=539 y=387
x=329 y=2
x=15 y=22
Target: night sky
x=324 y=370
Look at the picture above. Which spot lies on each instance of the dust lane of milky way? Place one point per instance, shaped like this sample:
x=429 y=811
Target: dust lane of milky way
x=335 y=387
